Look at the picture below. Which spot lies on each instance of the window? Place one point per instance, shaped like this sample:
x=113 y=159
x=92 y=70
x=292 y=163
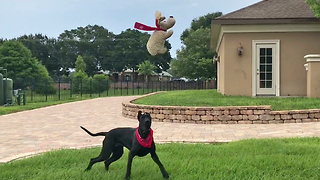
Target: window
x=127 y=78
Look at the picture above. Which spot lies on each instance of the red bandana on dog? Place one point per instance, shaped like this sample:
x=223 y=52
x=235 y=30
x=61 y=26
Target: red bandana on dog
x=147 y=141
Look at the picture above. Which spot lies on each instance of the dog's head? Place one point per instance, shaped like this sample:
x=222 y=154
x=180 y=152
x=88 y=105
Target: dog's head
x=169 y=23
x=144 y=123
x=164 y=25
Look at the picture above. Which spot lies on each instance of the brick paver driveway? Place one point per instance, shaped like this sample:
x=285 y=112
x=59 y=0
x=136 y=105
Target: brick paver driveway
x=56 y=127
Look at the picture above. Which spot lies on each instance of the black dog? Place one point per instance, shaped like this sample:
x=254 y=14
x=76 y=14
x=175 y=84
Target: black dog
x=139 y=141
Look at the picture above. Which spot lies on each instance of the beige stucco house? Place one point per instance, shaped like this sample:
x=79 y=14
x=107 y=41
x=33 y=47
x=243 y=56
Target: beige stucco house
x=261 y=49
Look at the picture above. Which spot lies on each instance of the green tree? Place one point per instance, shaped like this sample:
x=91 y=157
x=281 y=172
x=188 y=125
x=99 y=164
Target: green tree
x=94 y=43
x=80 y=64
x=146 y=68
x=45 y=50
x=103 y=50
x=23 y=68
x=315 y=6
x=194 y=60
x=1 y=41
x=130 y=50
x=91 y=66
x=201 y=22
x=80 y=77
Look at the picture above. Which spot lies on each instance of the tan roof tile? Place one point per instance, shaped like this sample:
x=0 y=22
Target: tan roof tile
x=273 y=9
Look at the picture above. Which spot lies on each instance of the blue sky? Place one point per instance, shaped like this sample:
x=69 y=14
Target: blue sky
x=52 y=17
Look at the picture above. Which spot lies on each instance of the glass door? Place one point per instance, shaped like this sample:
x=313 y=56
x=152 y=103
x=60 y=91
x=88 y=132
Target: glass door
x=266 y=69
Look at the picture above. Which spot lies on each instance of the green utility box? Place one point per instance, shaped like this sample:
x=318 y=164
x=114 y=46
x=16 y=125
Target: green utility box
x=1 y=90
x=8 y=90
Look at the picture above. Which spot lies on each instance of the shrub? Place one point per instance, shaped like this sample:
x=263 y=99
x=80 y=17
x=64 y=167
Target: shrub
x=80 y=82
x=100 y=83
x=41 y=86
x=44 y=86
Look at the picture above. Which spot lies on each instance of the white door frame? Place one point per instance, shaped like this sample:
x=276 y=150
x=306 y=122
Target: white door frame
x=255 y=60
x=218 y=76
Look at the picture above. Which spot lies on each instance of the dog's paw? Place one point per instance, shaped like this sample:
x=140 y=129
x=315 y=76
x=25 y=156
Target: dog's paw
x=166 y=176
x=86 y=170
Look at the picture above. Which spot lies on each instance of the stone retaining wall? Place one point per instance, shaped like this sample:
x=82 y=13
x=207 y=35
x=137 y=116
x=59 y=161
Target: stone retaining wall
x=221 y=115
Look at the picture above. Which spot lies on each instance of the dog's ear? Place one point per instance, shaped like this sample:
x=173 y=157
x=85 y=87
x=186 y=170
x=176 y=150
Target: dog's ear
x=139 y=115
x=157 y=15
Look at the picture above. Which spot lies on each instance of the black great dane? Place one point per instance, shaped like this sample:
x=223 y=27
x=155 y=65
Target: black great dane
x=139 y=141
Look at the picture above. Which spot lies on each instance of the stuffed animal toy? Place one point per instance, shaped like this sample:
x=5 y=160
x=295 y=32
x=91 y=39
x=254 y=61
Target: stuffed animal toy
x=156 y=41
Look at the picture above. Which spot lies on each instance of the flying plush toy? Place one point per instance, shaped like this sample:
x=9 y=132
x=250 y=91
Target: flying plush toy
x=156 y=41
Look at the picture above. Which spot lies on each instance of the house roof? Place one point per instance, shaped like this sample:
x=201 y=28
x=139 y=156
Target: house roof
x=273 y=9
x=128 y=71
x=266 y=12
x=165 y=73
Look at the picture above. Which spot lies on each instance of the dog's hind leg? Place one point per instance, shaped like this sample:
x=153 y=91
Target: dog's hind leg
x=104 y=155
x=116 y=154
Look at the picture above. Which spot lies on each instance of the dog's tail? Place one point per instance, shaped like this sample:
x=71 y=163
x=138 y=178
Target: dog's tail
x=96 y=134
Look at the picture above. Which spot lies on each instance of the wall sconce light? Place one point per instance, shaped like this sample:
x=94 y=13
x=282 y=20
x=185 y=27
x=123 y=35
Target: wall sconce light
x=216 y=58
x=240 y=49
x=306 y=66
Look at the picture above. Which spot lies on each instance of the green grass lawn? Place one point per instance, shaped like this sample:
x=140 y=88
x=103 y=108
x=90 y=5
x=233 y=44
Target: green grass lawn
x=32 y=97
x=37 y=101
x=213 y=98
x=179 y=98
x=29 y=106
x=293 y=158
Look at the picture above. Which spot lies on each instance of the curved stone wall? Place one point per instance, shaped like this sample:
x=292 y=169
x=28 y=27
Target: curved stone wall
x=220 y=115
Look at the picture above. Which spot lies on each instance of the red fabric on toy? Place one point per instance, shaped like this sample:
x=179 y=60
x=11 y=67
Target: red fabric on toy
x=143 y=27
x=147 y=141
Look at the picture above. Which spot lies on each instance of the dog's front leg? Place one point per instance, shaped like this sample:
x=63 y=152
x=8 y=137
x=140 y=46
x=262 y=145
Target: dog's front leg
x=156 y=159
x=131 y=156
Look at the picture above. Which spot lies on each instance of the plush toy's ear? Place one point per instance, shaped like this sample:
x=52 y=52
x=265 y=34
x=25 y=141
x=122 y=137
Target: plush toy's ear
x=158 y=14
x=139 y=115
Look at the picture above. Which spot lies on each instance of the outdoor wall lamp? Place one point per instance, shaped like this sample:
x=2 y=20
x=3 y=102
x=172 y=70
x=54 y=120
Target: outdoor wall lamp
x=216 y=58
x=240 y=49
